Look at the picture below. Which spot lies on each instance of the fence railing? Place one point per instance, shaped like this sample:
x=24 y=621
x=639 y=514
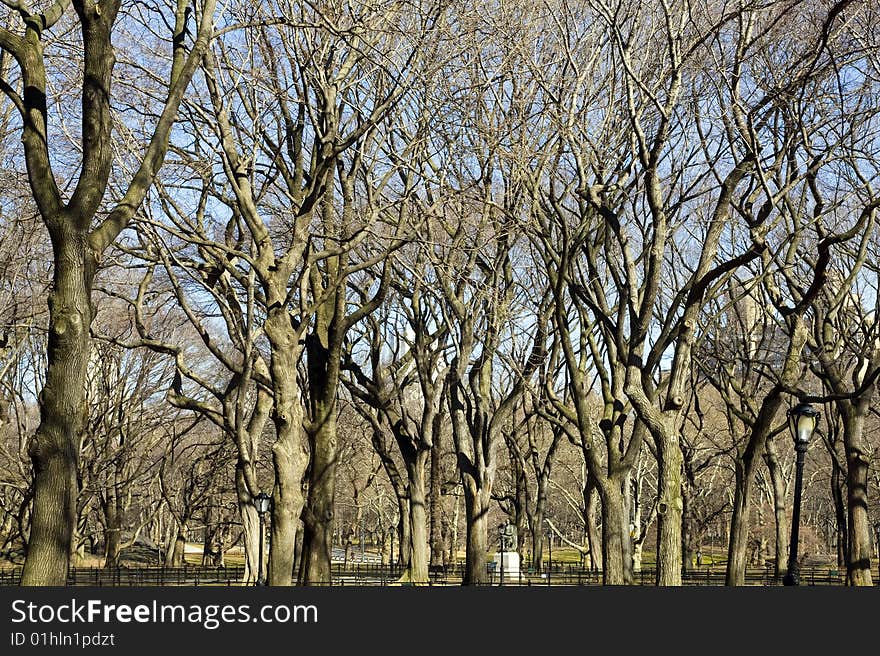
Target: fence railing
x=141 y=576
x=376 y=574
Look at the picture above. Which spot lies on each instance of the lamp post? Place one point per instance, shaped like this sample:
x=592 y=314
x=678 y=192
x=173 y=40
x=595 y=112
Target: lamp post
x=550 y=556
x=802 y=420
x=263 y=502
x=501 y=543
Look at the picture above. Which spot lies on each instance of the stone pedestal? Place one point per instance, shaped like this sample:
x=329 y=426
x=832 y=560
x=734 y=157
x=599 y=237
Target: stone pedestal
x=510 y=569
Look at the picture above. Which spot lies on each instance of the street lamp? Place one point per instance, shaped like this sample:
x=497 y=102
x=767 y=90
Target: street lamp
x=802 y=420
x=550 y=555
x=263 y=502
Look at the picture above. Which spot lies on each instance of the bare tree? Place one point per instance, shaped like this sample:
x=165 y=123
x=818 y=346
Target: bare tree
x=78 y=243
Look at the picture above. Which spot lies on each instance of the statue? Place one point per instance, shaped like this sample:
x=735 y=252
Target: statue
x=508 y=537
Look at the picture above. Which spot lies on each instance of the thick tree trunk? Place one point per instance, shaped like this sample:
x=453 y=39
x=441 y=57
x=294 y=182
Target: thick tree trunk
x=858 y=567
x=289 y=462
x=418 y=565
x=538 y=537
x=669 y=510
x=318 y=516
x=476 y=502
x=615 y=530
x=745 y=469
x=780 y=516
x=54 y=448
x=250 y=523
x=176 y=552
x=289 y=456
x=738 y=545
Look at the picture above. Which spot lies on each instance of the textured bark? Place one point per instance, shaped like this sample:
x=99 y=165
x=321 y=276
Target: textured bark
x=289 y=456
x=54 y=449
x=591 y=501
x=738 y=545
x=289 y=462
x=323 y=353
x=418 y=565
x=858 y=567
x=780 y=514
x=319 y=512
x=617 y=568
x=404 y=529
x=476 y=503
x=250 y=522
x=669 y=511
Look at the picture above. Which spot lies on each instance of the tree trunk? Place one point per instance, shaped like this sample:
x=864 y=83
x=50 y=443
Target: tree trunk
x=176 y=553
x=591 y=497
x=738 y=545
x=780 y=516
x=112 y=532
x=840 y=515
x=669 y=510
x=318 y=515
x=636 y=527
x=538 y=535
x=54 y=449
x=688 y=548
x=289 y=456
x=858 y=566
x=745 y=468
x=207 y=555
x=418 y=563
x=405 y=530
x=250 y=523
x=436 y=506
x=615 y=531
x=453 y=530
x=476 y=502
x=289 y=462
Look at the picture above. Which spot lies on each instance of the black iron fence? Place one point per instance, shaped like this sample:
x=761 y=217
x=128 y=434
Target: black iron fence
x=141 y=576
x=373 y=574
